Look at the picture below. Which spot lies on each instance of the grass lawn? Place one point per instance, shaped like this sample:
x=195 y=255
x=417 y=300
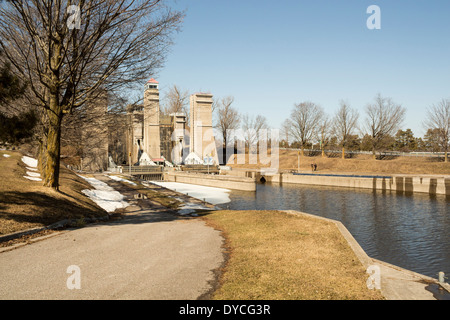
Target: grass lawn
x=279 y=256
x=362 y=163
x=26 y=204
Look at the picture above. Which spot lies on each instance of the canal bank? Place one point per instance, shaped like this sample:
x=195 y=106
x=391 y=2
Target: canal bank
x=434 y=185
x=431 y=184
x=246 y=180
x=208 y=180
x=395 y=283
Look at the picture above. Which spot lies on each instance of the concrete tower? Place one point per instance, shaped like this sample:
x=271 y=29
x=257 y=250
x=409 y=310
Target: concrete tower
x=135 y=132
x=152 y=140
x=202 y=141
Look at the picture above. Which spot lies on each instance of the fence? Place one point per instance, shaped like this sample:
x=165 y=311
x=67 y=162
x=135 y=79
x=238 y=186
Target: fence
x=383 y=153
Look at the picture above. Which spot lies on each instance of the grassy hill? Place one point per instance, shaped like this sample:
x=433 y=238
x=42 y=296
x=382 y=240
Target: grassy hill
x=362 y=163
x=26 y=204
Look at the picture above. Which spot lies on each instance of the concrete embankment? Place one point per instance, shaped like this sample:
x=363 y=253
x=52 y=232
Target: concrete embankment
x=218 y=181
x=431 y=184
x=396 y=283
x=399 y=183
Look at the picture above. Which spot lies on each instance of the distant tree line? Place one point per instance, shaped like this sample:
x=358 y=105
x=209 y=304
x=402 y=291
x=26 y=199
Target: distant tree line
x=309 y=127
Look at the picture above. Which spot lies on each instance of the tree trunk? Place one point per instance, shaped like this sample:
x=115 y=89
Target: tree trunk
x=446 y=156
x=53 y=149
x=41 y=155
x=343 y=152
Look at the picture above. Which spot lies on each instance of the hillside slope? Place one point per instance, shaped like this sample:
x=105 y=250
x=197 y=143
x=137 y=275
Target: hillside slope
x=288 y=160
x=26 y=204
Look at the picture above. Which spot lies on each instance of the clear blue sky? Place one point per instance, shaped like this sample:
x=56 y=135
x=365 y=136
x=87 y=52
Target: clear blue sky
x=272 y=54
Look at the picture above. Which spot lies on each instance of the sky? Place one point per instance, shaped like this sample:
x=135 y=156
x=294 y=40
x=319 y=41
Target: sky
x=270 y=55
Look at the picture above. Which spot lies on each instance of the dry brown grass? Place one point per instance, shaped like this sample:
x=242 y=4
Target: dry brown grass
x=277 y=256
x=26 y=204
x=288 y=160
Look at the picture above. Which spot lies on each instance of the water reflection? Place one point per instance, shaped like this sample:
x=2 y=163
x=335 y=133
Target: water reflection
x=406 y=230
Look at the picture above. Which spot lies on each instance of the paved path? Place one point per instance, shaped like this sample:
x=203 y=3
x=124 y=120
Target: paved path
x=149 y=255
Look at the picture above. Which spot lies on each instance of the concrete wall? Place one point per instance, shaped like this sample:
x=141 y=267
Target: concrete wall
x=227 y=182
x=398 y=183
x=202 y=140
x=152 y=140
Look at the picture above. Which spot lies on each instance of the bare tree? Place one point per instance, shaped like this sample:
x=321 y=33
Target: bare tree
x=345 y=122
x=69 y=52
x=304 y=122
x=177 y=100
x=384 y=118
x=252 y=127
x=324 y=133
x=227 y=119
x=285 y=133
x=438 y=119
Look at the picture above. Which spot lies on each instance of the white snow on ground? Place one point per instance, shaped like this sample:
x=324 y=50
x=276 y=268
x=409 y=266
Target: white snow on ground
x=31 y=162
x=193 y=158
x=6 y=155
x=32 y=166
x=33 y=174
x=122 y=179
x=209 y=194
x=33 y=178
x=189 y=208
x=104 y=196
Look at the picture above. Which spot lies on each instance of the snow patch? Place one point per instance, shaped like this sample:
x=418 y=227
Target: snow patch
x=189 y=208
x=6 y=155
x=104 y=196
x=32 y=166
x=116 y=178
x=30 y=162
x=145 y=160
x=33 y=178
x=208 y=194
x=33 y=174
x=193 y=158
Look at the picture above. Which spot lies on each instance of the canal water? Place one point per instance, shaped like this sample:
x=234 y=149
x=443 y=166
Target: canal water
x=410 y=231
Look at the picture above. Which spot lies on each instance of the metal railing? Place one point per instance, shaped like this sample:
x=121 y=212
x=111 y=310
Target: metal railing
x=142 y=169
x=385 y=153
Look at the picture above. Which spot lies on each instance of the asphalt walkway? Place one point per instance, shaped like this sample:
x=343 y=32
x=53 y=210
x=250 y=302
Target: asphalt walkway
x=149 y=254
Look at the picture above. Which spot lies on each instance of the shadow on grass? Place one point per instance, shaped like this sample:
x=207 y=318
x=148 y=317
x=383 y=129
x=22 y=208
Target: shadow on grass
x=38 y=207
